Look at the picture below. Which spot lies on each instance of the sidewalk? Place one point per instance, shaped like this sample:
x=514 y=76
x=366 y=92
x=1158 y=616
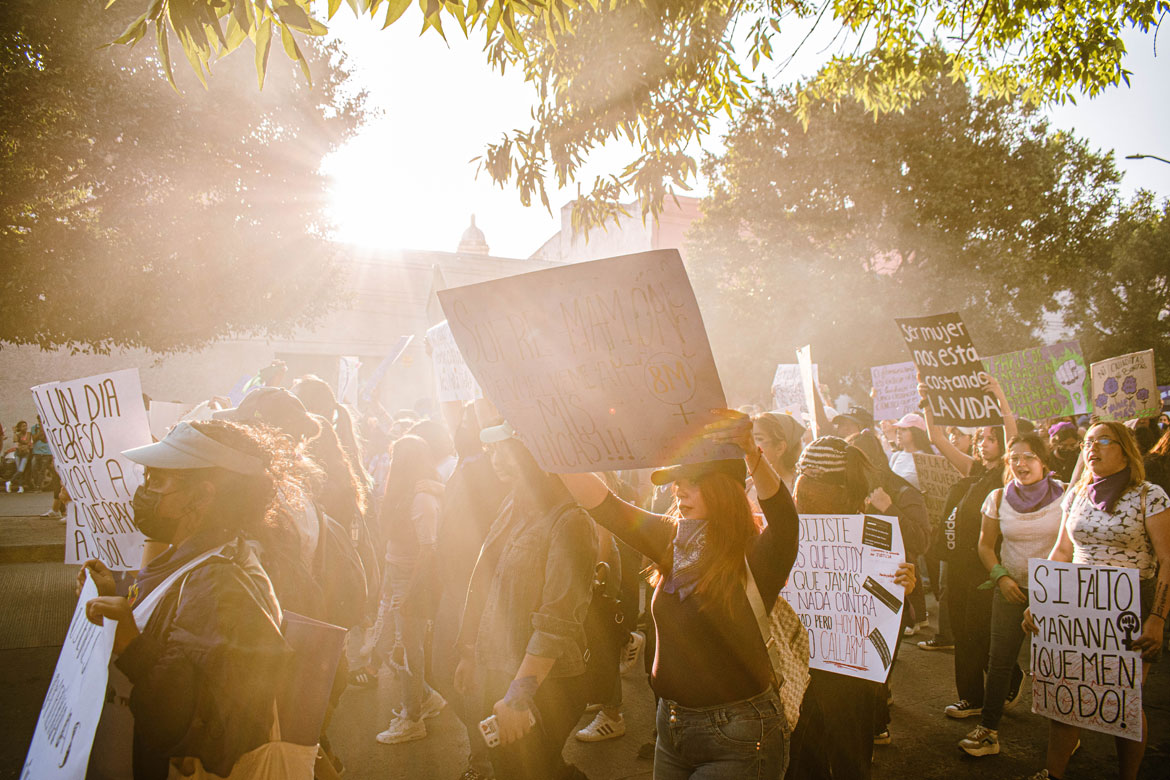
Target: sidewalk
x=36 y=602
x=26 y=536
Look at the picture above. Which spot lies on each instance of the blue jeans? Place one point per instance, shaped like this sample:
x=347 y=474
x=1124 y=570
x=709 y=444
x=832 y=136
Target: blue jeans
x=1006 y=637
x=736 y=741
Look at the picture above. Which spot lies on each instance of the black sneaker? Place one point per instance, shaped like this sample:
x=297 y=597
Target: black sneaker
x=937 y=643
x=962 y=709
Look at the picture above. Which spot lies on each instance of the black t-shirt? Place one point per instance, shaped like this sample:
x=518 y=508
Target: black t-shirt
x=707 y=654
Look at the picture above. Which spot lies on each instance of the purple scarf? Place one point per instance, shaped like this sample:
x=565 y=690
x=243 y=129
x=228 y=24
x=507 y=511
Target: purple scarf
x=1104 y=491
x=1034 y=497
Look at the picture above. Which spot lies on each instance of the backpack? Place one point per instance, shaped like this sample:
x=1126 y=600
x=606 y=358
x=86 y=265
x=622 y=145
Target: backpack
x=339 y=572
x=786 y=640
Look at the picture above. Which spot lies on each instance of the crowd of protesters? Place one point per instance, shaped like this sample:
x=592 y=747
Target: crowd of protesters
x=408 y=531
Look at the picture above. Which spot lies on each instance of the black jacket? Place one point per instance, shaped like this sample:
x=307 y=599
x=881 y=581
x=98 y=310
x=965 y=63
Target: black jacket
x=207 y=667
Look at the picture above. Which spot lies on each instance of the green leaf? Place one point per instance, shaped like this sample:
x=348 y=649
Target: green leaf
x=294 y=52
x=133 y=34
x=394 y=10
x=164 y=52
x=333 y=6
x=263 y=46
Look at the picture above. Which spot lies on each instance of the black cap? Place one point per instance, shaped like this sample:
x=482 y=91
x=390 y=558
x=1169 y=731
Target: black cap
x=732 y=467
x=858 y=415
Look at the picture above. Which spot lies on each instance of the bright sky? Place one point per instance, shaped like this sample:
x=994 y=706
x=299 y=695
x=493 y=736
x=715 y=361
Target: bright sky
x=405 y=180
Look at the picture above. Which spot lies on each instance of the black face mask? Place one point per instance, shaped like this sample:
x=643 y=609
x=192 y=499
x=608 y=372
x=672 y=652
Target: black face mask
x=146 y=517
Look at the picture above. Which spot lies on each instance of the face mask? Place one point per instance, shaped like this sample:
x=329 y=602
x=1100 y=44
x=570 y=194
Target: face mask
x=147 y=518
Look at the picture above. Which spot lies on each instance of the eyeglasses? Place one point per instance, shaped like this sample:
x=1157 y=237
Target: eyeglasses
x=1104 y=441
x=1018 y=459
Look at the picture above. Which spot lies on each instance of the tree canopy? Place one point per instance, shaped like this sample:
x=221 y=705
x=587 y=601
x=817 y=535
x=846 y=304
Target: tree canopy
x=134 y=216
x=958 y=203
x=657 y=73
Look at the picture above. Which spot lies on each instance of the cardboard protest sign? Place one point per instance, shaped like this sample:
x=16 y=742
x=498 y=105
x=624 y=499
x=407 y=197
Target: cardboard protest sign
x=163 y=414
x=808 y=384
x=370 y=385
x=842 y=588
x=936 y=477
x=1084 y=673
x=1124 y=387
x=63 y=737
x=347 y=379
x=950 y=368
x=1040 y=382
x=89 y=422
x=895 y=390
x=788 y=389
x=453 y=379
x=598 y=365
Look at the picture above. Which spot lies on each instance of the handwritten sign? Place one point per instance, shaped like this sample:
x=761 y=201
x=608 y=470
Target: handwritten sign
x=89 y=422
x=895 y=390
x=788 y=389
x=453 y=379
x=1124 y=387
x=69 y=716
x=842 y=588
x=936 y=477
x=950 y=368
x=1084 y=673
x=599 y=365
x=1041 y=382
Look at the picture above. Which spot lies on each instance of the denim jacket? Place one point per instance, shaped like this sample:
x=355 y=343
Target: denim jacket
x=530 y=590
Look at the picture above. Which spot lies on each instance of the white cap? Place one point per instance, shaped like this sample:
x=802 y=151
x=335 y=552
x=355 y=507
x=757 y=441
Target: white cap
x=184 y=447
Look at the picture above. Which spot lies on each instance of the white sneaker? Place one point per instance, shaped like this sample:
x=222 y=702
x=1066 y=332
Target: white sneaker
x=914 y=628
x=53 y=513
x=602 y=727
x=430 y=708
x=20 y=489
x=402 y=730
x=630 y=652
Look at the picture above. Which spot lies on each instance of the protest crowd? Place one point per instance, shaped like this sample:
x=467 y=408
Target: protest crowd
x=288 y=533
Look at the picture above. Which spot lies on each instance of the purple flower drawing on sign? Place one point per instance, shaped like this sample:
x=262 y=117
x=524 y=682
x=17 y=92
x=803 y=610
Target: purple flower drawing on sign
x=1129 y=386
x=1143 y=394
x=1102 y=400
x=1110 y=386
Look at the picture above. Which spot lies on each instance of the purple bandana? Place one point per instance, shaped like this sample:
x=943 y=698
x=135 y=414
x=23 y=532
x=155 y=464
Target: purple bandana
x=1104 y=491
x=1034 y=497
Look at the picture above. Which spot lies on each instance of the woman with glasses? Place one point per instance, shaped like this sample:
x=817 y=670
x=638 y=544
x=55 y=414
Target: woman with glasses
x=1114 y=517
x=1026 y=514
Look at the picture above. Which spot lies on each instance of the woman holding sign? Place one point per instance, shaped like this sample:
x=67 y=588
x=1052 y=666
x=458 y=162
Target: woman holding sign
x=1114 y=517
x=840 y=714
x=719 y=713
x=199 y=655
x=1026 y=514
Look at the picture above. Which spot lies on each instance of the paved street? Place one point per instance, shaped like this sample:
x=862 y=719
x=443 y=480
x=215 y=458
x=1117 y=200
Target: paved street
x=37 y=601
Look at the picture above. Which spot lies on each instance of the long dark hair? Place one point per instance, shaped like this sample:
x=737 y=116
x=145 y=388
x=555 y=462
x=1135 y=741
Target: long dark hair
x=317 y=396
x=249 y=503
x=730 y=526
x=546 y=489
x=410 y=462
x=344 y=490
x=1035 y=442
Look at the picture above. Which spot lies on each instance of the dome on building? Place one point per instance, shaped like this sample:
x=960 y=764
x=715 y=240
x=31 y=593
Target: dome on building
x=473 y=241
